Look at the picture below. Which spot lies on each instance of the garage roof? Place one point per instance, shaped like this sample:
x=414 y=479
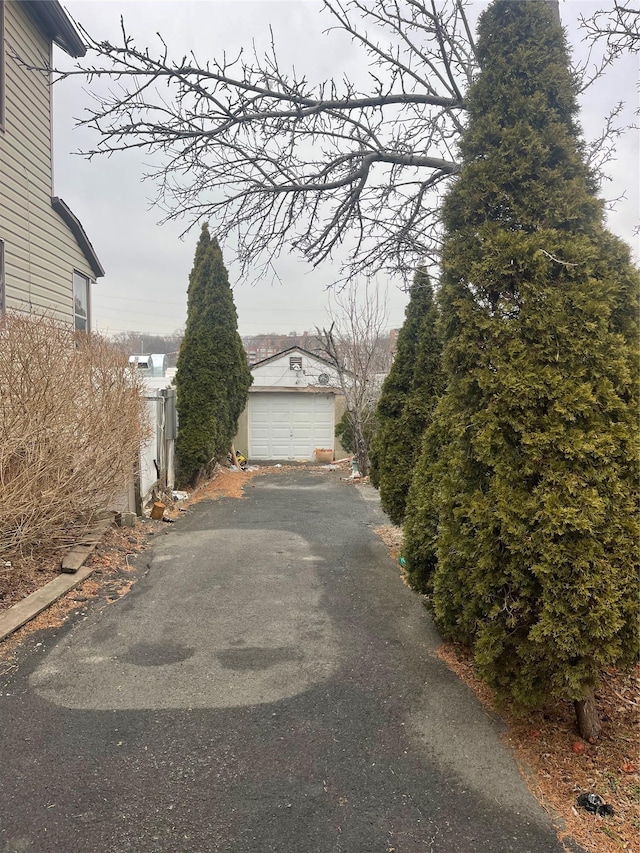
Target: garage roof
x=291 y=350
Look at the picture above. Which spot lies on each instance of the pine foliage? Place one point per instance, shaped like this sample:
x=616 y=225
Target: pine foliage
x=534 y=486
x=422 y=505
x=407 y=399
x=213 y=375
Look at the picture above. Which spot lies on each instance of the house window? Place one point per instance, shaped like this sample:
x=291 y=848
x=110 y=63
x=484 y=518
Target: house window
x=80 y=302
x=295 y=362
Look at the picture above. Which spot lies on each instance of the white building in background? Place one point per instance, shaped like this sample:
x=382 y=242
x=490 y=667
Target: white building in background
x=293 y=407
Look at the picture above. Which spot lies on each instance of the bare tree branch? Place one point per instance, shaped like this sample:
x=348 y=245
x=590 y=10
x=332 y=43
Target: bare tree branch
x=280 y=162
x=356 y=344
x=618 y=27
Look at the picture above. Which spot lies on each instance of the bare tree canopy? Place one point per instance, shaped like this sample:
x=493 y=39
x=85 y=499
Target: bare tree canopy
x=619 y=28
x=278 y=161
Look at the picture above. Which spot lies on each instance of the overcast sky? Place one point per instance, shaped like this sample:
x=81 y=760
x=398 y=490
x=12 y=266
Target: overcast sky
x=147 y=265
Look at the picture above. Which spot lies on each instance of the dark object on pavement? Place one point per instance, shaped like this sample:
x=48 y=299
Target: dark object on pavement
x=593 y=803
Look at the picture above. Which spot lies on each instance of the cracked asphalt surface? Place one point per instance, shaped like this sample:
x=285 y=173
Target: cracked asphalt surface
x=269 y=684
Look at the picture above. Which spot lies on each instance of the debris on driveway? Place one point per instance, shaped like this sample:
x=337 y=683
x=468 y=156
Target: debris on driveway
x=595 y=804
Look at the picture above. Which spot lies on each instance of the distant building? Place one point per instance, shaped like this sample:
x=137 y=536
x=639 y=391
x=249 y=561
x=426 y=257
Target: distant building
x=393 y=341
x=259 y=347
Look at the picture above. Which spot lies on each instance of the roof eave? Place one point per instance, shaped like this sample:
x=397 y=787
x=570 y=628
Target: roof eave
x=54 y=21
x=295 y=389
x=63 y=210
x=294 y=348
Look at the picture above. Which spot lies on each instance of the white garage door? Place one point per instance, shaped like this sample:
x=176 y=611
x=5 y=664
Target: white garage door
x=289 y=426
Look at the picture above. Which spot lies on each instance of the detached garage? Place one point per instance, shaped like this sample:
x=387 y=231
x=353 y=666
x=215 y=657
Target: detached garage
x=292 y=409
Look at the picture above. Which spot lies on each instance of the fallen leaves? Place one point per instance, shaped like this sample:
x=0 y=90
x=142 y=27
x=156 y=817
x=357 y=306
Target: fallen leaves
x=564 y=767
x=225 y=483
x=111 y=570
x=392 y=538
x=26 y=574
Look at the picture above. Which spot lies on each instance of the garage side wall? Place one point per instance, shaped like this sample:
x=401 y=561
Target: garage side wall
x=241 y=441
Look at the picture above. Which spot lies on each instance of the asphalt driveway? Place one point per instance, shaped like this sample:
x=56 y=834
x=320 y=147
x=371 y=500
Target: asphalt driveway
x=269 y=684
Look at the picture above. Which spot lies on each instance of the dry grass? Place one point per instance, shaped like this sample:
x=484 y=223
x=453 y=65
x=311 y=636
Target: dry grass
x=558 y=765
x=71 y=419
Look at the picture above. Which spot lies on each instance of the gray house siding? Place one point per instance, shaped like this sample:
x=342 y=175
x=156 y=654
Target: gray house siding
x=41 y=251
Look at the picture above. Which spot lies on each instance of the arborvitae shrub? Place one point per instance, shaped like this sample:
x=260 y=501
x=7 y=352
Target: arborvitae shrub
x=536 y=471
x=408 y=397
x=213 y=375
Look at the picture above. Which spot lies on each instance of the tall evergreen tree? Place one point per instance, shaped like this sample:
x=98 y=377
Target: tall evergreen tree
x=408 y=397
x=535 y=483
x=420 y=530
x=213 y=375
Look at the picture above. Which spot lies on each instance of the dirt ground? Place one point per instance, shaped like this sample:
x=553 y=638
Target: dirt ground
x=557 y=765
x=22 y=577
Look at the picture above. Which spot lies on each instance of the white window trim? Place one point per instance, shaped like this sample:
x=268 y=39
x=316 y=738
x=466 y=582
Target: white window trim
x=87 y=319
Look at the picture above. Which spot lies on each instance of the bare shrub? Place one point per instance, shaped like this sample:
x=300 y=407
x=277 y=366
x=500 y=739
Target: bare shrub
x=72 y=418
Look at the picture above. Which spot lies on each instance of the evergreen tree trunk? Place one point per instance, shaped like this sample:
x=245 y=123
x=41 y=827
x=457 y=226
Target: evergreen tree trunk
x=360 y=448
x=587 y=717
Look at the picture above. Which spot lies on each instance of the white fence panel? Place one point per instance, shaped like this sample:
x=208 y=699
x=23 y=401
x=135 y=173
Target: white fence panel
x=149 y=450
